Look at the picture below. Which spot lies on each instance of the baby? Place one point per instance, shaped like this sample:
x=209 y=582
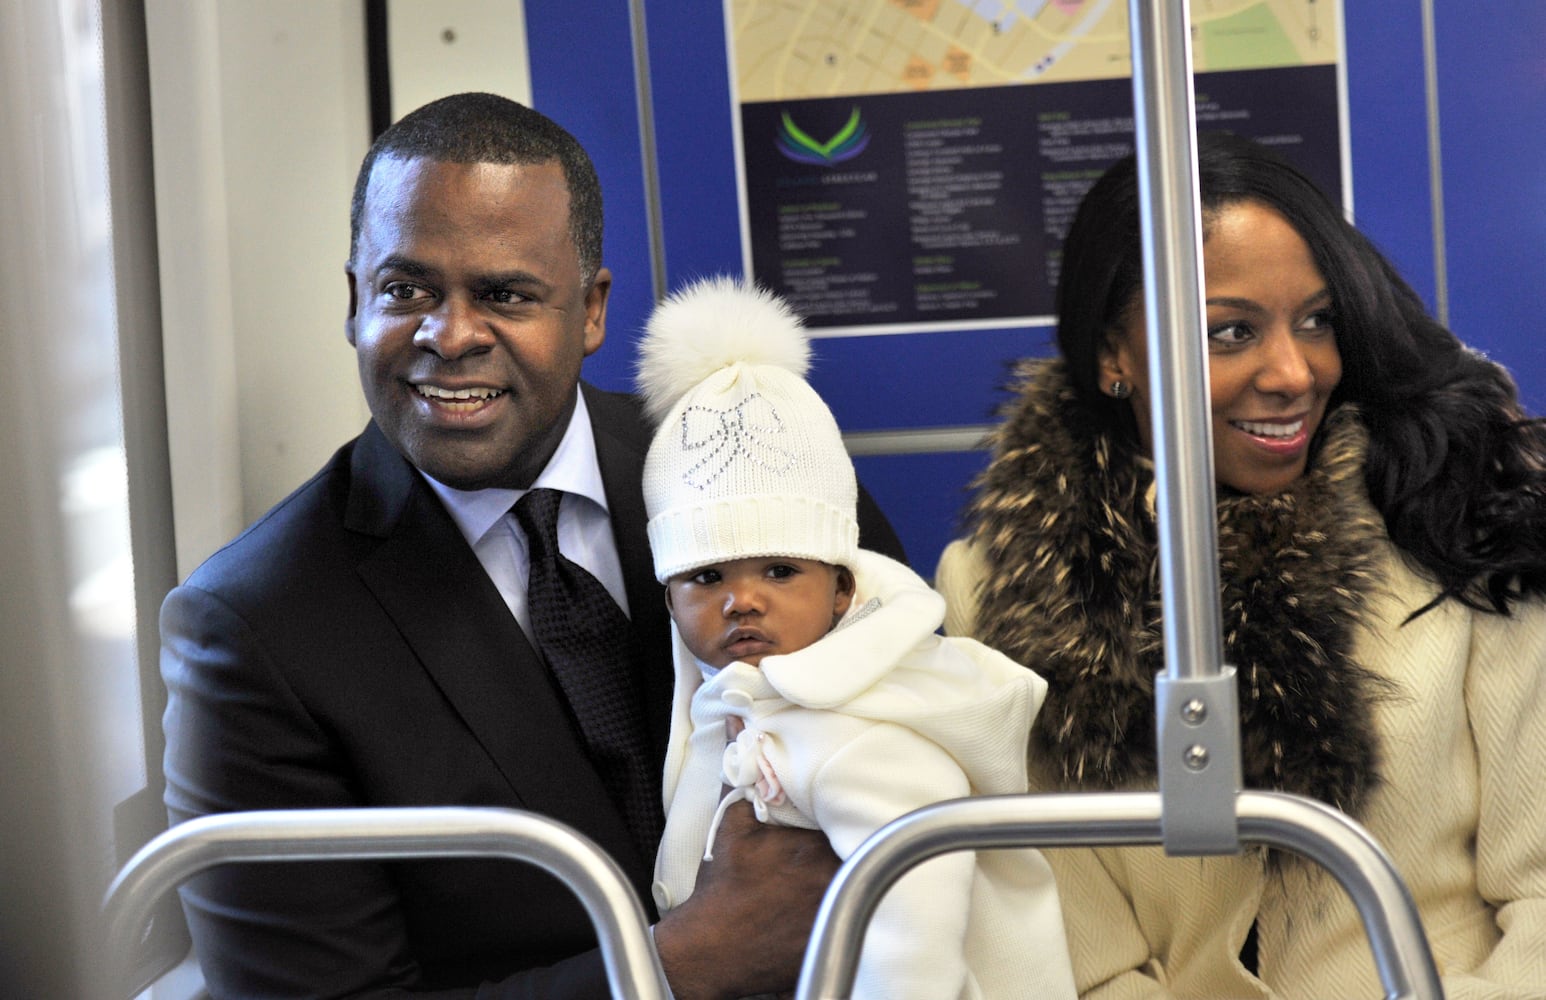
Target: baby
x=851 y=709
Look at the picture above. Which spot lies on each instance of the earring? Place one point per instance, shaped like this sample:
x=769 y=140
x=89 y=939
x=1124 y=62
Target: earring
x=1120 y=390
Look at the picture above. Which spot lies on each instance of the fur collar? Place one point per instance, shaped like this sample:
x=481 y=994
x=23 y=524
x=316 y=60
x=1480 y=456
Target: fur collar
x=1065 y=517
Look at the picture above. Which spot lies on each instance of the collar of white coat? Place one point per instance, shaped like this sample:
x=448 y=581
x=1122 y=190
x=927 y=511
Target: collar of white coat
x=893 y=610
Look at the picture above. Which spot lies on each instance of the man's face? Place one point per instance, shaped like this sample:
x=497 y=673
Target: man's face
x=468 y=317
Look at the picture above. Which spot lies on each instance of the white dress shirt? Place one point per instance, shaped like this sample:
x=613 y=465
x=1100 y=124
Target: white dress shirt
x=584 y=523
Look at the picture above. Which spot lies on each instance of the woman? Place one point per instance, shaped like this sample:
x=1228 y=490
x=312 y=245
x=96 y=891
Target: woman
x=1382 y=536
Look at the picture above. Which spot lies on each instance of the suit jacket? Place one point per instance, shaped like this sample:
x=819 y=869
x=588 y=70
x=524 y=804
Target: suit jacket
x=349 y=650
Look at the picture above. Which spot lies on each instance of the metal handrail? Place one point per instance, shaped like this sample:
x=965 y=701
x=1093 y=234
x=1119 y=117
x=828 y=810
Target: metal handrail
x=382 y=834
x=1290 y=822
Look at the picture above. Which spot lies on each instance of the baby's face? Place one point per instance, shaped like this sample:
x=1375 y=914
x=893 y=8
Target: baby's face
x=746 y=609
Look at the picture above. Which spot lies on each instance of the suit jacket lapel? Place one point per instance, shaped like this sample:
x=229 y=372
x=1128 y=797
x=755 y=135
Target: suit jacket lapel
x=452 y=616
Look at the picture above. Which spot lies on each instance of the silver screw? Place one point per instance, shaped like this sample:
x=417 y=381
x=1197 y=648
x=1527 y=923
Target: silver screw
x=1194 y=711
x=1196 y=757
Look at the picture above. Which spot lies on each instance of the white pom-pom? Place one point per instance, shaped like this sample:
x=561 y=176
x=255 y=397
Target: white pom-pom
x=712 y=324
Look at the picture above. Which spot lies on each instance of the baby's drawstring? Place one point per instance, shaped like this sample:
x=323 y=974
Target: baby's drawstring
x=736 y=795
x=751 y=778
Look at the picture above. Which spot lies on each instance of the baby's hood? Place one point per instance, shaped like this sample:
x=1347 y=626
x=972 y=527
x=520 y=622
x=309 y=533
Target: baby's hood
x=885 y=661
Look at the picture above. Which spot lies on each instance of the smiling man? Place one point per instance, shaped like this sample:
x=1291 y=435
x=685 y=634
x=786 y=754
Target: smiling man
x=471 y=311
x=382 y=638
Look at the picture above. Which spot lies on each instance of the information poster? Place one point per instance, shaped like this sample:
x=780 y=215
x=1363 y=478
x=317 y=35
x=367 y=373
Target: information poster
x=910 y=165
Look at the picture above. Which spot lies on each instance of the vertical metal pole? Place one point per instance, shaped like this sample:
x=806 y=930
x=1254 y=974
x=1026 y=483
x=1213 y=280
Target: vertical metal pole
x=648 y=153
x=1435 y=164
x=1197 y=714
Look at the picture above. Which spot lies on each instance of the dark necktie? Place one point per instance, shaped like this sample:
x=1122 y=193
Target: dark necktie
x=586 y=640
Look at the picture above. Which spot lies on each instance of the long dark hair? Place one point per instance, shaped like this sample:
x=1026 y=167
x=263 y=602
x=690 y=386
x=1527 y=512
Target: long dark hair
x=1455 y=468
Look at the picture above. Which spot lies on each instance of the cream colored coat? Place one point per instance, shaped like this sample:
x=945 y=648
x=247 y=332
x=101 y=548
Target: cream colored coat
x=878 y=718
x=1462 y=811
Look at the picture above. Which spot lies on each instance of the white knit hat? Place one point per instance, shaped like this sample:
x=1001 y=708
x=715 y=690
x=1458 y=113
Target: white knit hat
x=747 y=460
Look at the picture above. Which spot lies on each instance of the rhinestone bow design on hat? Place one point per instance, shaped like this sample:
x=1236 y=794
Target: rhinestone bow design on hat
x=585 y=638
x=747 y=461
x=746 y=430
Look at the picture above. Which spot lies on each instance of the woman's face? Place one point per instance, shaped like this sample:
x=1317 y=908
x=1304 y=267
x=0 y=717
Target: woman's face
x=1272 y=350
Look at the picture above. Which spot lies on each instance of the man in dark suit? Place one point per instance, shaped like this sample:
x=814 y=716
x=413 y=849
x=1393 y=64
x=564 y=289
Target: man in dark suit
x=369 y=641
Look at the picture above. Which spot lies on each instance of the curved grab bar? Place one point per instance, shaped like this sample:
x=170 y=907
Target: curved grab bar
x=1290 y=822
x=379 y=834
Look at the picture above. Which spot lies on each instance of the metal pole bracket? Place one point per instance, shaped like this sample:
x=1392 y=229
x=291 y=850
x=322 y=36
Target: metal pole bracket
x=1198 y=722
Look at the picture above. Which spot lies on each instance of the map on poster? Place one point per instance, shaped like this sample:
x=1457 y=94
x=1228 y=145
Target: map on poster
x=913 y=164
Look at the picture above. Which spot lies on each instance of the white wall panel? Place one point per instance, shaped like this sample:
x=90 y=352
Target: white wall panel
x=451 y=46
x=261 y=119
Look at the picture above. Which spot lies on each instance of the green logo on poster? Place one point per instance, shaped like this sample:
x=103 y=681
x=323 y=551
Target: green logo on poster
x=848 y=143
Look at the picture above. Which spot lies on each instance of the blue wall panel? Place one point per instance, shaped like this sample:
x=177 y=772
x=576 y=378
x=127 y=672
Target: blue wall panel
x=1389 y=138
x=924 y=496
x=1492 y=111
x=582 y=77
x=690 y=83
x=1493 y=102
